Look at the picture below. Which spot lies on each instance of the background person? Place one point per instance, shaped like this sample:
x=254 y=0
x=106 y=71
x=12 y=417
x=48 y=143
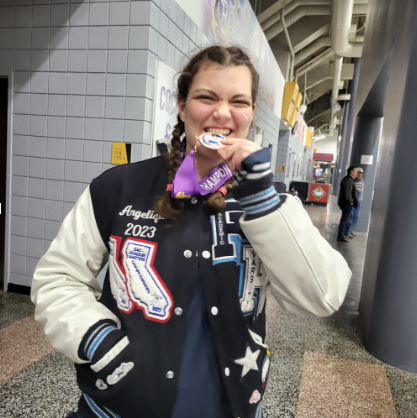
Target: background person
x=356 y=211
x=346 y=201
x=178 y=329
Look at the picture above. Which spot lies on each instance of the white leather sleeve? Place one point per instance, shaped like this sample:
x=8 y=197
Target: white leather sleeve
x=306 y=274
x=64 y=287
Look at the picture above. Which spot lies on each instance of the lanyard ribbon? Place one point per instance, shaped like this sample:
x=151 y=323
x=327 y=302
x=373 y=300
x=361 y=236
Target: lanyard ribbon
x=186 y=182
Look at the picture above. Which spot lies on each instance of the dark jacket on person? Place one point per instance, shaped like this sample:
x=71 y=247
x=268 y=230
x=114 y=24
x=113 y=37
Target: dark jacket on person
x=229 y=259
x=347 y=194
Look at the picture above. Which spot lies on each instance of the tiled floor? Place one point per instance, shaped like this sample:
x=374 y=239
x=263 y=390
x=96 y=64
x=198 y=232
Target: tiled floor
x=320 y=367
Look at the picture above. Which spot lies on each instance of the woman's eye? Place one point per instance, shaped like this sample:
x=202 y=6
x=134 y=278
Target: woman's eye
x=206 y=98
x=242 y=103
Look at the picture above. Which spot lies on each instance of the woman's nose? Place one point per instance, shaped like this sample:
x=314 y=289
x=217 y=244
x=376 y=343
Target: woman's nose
x=222 y=111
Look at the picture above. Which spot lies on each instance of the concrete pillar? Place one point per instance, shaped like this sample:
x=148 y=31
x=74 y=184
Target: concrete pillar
x=365 y=144
x=336 y=180
x=392 y=334
x=346 y=141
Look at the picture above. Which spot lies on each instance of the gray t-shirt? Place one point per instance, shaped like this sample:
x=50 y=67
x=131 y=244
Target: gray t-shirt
x=359 y=186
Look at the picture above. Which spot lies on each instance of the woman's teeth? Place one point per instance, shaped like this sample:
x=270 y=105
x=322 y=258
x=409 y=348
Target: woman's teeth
x=219 y=131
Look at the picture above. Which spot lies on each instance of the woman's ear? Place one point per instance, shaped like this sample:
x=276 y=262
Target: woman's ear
x=253 y=115
x=181 y=109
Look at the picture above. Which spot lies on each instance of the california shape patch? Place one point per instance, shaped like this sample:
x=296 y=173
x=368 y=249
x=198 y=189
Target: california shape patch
x=146 y=289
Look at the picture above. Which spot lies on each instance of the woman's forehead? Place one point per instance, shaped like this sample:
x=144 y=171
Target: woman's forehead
x=231 y=78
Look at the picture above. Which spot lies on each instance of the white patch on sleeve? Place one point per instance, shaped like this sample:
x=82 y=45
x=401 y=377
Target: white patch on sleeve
x=147 y=290
x=101 y=385
x=257 y=338
x=119 y=373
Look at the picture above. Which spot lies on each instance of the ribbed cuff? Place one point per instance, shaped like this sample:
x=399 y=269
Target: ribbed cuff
x=99 y=340
x=258 y=197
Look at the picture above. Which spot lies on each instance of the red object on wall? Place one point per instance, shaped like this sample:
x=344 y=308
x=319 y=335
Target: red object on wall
x=320 y=156
x=318 y=193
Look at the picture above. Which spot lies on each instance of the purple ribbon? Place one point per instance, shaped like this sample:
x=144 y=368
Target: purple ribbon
x=186 y=184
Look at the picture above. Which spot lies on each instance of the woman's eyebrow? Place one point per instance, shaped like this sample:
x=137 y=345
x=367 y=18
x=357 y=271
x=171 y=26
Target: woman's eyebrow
x=242 y=95
x=236 y=96
x=206 y=91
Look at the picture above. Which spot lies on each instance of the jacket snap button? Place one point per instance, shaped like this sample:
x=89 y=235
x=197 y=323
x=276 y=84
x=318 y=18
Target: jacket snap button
x=214 y=310
x=178 y=311
x=194 y=200
x=206 y=254
x=170 y=375
x=188 y=253
x=227 y=371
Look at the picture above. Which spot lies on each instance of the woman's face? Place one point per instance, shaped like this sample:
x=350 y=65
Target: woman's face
x=219 y=101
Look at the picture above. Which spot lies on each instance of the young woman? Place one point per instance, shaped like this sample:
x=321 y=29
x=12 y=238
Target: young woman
x=178 y=329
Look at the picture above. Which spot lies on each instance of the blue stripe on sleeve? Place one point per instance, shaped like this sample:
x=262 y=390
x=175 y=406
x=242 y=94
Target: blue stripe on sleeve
x=92 y=336
x=262 y=206
x=98 y=411
x=98 y=339
x=258 y=196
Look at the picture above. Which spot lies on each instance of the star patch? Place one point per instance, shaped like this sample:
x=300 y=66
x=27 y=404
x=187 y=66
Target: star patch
x=249 y=361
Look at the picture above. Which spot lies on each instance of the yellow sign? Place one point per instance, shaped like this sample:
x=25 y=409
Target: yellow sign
x=281 y=169
x=119 y=154
x=309 y=137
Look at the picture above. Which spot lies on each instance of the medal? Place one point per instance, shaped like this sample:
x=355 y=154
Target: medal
x=211 y=140
x=186 y=184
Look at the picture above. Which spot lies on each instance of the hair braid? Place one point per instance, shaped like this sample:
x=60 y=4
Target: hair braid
x=216 y=202
x=166 y=206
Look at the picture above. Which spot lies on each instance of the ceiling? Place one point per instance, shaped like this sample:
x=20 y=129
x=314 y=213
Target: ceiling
x=308 y=24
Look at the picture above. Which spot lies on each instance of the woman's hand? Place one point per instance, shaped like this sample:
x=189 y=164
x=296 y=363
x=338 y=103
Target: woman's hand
x=236 y=150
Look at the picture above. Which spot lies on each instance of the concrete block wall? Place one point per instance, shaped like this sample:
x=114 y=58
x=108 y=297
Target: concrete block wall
x=282 y=155
x=83 y=77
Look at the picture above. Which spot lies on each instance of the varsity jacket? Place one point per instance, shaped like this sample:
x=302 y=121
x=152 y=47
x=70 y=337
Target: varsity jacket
x=261 y=239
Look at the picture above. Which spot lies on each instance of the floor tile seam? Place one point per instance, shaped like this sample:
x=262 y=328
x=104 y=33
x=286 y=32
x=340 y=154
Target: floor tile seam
x=20 y=322
x=11 y=353
x=371 y=360
x=9 y=336
x=27 y=353
x=28 y=364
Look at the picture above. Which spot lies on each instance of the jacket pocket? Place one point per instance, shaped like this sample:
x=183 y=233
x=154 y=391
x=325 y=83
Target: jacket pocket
x=113 y=384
